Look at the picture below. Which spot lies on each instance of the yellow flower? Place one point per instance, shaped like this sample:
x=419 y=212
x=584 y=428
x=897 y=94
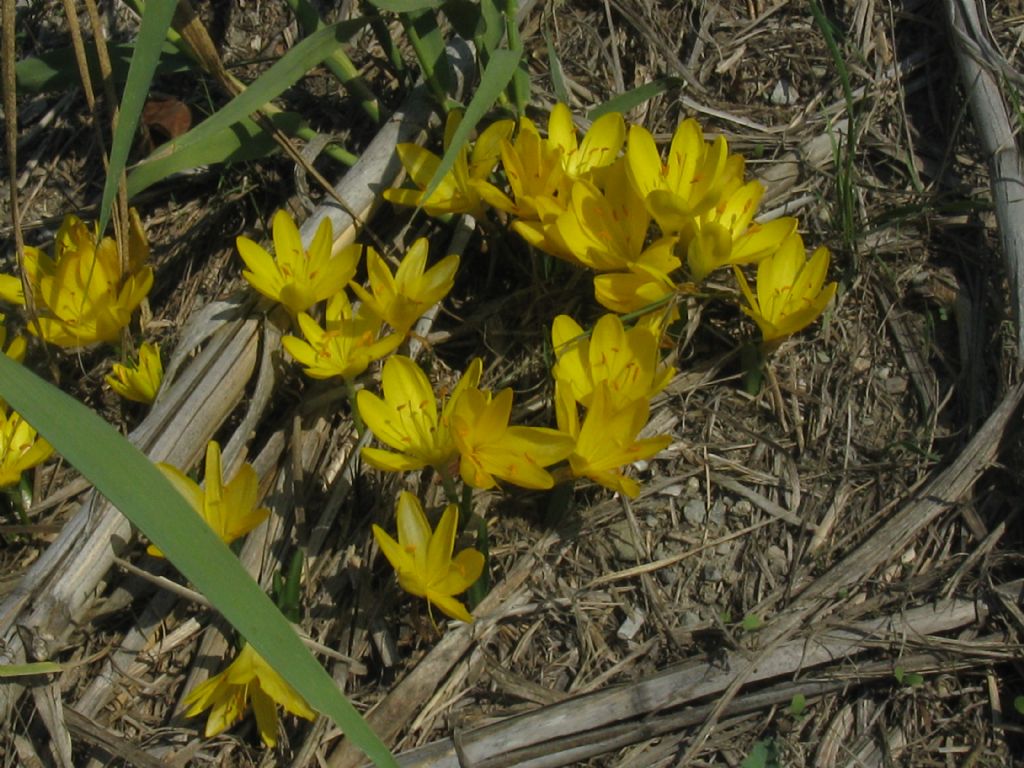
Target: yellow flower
x=296 y=277
x=139 y=382
x=407 y=420
x=541 y=172
x=346 y=347
x=533 y=167
x=401 y=299
x=16 y=349
x=626 y=361
x=423 y=558
x=230 y=509
x=647 y=282
x=490 y=448
x=727 y=235
x=690 y=181
x=20 y=448
x=81 y=294
x=607 y=441
x=600 y=146
x=791 y=290
x=248 y=679
x=457 y=191
x=603 y=228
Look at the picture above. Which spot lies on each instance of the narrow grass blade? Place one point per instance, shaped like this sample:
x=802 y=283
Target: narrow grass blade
x=134 y=485
x=339 y=64
x=27 y=670
x=496 y=77
x=283 y=74
x=406 y=6
x=55 y=70
x=557 y=75
x=635 y=97
x=428 y=43
x=152 y=33
x=245 y=140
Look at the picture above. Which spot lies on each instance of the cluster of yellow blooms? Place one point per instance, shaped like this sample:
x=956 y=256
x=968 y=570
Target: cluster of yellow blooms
x=648 y=227
x=81 y=295
x=587 y=202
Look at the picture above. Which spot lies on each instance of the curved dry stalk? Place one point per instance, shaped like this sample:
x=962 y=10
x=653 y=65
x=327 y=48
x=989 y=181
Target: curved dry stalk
x=1006 y=173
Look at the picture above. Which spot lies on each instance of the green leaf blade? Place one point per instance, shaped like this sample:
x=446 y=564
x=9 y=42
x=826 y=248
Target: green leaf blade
x=133 y=484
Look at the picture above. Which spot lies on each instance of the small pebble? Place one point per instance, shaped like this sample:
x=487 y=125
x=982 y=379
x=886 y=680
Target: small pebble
x=695 y=512
x=690 y=619
x=716 y=516
x=712 y=573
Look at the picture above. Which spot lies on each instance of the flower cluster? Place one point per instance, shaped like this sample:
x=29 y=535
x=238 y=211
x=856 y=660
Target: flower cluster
x=81 y=293
x=611 y=375
x=649 y=228
x=351 y=337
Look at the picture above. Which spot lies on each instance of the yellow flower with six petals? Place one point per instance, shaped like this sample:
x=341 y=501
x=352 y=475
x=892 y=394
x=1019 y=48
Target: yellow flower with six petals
x=407 y=418
x=423 y=560
x=81 y=294
x=607 y=442
x=247 y=680
x=689 y=182
x=295 y=276
x=139 y=382
x=491 y=450
x=20 y=448
x=457 y=192
x=791 y=290
x=402 y=299
x=347 y=345
x=727 y=235
x=230 y=508
x=627 y=361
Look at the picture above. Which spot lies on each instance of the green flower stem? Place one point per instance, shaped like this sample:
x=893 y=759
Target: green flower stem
x=421 y=30
x=521 y=79
x=288 y=599
x=753 y=358
x=451 y=492
x=357 y=419
x=21 y=498
x=338 y=63
x=559 y=503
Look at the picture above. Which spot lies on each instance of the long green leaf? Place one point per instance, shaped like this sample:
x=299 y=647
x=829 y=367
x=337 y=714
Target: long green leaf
x=56 y=69
x=283 y=74
x=152 y=32
x=626 y=101
x=245 y=140
x=406 y=6
x=133 y=484
x=339 y=64
x=30 y=669
x=499 y=72
x=424 y=34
